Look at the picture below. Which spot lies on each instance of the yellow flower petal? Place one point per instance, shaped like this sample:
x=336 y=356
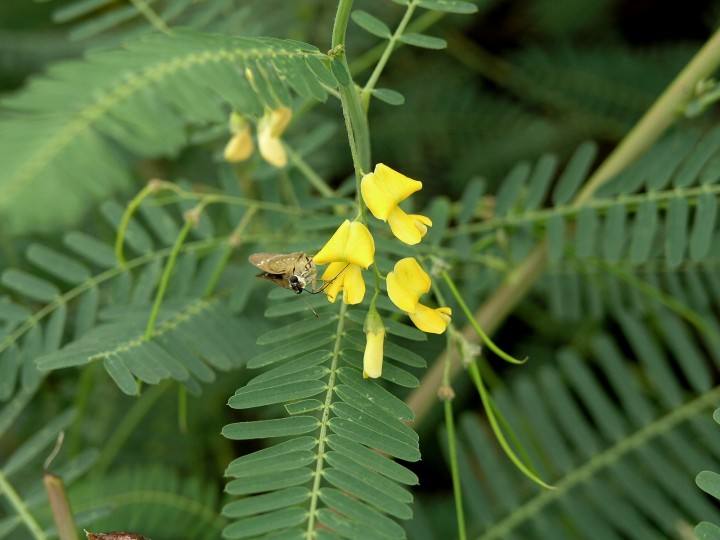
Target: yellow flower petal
x=272 y=151
x=276 y=121
x=408 y=228
x=239 y=147
x=346 y=278
x=351 y=243
x=383 y=189
x=335 y=273
x=353 y=285
x=373 y=356
x=407 y=283
x=433 y=321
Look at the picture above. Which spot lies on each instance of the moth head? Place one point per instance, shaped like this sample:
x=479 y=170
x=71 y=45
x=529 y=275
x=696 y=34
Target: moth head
x=297 y=283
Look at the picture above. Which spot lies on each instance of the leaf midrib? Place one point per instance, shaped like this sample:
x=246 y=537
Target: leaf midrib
x=322 y=437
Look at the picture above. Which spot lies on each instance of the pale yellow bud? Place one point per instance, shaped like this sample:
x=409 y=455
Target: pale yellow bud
x=240 y=146
x=375 y=334
x=270 y=128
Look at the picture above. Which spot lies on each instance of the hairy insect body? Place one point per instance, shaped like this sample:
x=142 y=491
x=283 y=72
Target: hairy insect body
x=294 y=271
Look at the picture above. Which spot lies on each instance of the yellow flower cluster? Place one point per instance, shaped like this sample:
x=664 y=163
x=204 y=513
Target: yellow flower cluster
x=351 y=249
x=270 y=128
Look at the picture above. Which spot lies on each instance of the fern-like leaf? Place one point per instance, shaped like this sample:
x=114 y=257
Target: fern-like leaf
x=620 y=471
x=325 y=476
x=54 y=141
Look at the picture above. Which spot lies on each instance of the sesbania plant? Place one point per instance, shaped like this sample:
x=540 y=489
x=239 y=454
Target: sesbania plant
x=151 y=383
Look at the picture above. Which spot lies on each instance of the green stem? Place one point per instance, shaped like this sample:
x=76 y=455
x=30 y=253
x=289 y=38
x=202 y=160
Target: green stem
x=454 y=469
x=473 y=322
x=127 y=426
x=353 y=112
x=134 y=204
x=490 y=411
x=310 y=175
x=389 y=47
x=165 y=279
x=452 y=442
x=19 y=505
x=234 y=240
x=366 y=59
x=658 y=118
x=213 y=198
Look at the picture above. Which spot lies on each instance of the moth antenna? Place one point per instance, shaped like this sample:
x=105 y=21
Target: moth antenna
x=328 y=283
x=311 y=308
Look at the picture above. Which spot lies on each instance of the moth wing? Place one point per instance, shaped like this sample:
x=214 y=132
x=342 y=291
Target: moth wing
x=274 y=263
x=276 y=279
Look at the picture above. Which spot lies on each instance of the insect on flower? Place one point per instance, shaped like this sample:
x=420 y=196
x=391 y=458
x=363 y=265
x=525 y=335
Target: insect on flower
x=294 y=271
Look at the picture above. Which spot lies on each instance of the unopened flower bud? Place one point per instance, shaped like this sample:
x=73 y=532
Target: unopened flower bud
x=375 y=334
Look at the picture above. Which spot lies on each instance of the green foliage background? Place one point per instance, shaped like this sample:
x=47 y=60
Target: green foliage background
x=504 y=123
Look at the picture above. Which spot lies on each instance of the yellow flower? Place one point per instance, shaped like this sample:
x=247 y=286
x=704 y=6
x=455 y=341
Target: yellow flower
x=240 y=146
x=346 y=278
x=433 y=321
x=383 y=190
x=351 y=243
x=350 y=249
x=271 y=126
x=375 y=334
x=405 y=285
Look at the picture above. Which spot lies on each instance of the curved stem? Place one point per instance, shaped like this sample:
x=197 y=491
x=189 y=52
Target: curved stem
x=234 y=240
x=497 y=430
x=310 y=175
x=165 y=279
x=134 y=204
x=473 y=322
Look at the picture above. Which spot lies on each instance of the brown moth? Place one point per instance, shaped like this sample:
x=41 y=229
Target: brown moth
x=294 y=271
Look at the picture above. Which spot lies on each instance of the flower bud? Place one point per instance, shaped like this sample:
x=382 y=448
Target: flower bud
x=270 y=128
x=375 y=335
x=240 y=146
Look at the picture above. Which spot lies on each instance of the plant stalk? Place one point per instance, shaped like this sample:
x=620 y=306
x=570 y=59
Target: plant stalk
x=650 y=127
x=60 y=505
x=355 y=119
